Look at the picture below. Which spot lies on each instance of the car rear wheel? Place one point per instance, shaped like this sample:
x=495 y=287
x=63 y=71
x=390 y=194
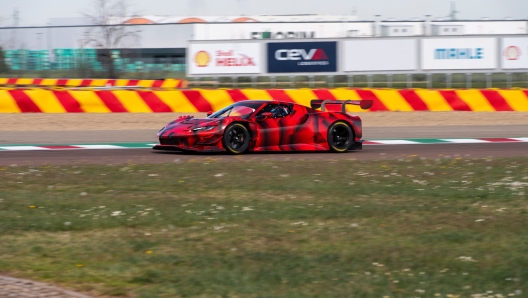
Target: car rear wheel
x=236 y=139
x=340 y=137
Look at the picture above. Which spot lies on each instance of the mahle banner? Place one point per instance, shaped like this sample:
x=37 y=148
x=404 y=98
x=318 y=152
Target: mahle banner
x=459 y=53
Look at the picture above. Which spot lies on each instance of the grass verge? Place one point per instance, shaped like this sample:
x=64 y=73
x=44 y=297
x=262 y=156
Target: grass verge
x=402 y=228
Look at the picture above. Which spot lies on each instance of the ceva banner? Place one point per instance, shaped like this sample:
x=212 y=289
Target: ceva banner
x=459 y=53
x=514 y=52
x=380 y=55
x=224 y=58
x=290 y=57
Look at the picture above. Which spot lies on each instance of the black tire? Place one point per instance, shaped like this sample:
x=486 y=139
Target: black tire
x=236 y=139
x=340 y=137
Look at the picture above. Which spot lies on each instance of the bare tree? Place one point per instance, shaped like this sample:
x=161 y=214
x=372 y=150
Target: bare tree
x=108 y=31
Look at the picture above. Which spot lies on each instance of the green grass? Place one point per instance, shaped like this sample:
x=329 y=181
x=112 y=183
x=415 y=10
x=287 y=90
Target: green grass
x=402 y=228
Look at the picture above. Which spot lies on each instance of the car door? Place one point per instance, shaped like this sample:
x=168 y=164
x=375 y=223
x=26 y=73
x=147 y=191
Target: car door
x=284 y=127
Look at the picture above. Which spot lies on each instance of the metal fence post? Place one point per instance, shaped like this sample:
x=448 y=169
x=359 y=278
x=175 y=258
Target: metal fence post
x=488 y=80
x=468 y=81
x=235 y=82
x=273 y=82
x=331 y=81
x=508 y=80
x=409 y=81
x=429 y=81
x=197 y=82
x=350 y=81
x=311 y=80
x=292 y=82
x=254 y=82
x=448 y=80
x=389 y=81
x=216 y=82
x=369 y=80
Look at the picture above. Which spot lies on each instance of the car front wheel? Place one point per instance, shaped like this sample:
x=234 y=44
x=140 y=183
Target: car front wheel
x=236 y=139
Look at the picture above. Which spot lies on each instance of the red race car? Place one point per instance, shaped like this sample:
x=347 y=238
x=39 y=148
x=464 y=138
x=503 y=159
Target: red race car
x=259 y=125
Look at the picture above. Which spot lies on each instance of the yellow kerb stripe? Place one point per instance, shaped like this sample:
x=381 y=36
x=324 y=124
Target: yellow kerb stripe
x=121 y=82
x=7 y=103
x=254 y=94
x=475 y=100
x=48 y=82
x=132 y=102
x=89 y=102
x=393 y=100
x=517 y=99
x=168 y=84
x=46 y=101
x=218 y=99
x=145 y=83
x=177 y=101
x=434 y=100
x=96 y=83
x=74 y=82
x=3 y=81
x=302 y=96
x=24 y=82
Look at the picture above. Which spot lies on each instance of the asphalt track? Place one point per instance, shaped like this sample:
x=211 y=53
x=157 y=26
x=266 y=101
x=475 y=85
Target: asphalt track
x=149 y=135
x=139 y=156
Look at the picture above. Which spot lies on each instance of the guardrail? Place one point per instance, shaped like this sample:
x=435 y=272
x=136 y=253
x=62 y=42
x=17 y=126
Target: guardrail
x=201 y=100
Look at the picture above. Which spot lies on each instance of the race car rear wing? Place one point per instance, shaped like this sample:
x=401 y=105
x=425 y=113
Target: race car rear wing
x=365 y=104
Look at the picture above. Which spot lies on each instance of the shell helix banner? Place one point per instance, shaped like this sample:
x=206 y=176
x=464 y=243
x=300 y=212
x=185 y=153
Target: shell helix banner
x=224 y=58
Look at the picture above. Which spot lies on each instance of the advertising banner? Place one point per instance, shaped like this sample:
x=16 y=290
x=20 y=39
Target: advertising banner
x=224 y=58
x=459 y=53
x=290 y=57
x=515 y=53
x=380 y=55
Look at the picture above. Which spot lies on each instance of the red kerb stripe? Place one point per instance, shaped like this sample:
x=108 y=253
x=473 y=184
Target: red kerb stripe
x=111 y=101
x=367 y=94
x=157 y=84
x=498 y=140
x=496 y=100
x=278 y=94
x=237 y=95
x=24 y=102
x=197 y=100
x=37 y=81
x=60 y=147
x=12 y=81
x=454 y=101
x=154 y=102
x=132 y=82
x=70 y=104
x=323 y=94
x=62 y=82
x=414 y=100
x=86 y=83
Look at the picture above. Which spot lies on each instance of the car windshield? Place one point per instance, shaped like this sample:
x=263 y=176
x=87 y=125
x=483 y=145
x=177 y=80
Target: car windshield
x=243 y=110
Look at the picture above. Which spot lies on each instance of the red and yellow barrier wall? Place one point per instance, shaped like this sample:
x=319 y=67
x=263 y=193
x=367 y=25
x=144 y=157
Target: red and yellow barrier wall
x=169 y=83
x=201 y=100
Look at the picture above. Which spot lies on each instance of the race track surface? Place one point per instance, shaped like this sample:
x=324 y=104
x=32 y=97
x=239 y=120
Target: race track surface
x=138 y=156
x=369 y=133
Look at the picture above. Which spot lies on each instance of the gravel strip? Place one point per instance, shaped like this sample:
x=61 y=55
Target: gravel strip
x=14 y=287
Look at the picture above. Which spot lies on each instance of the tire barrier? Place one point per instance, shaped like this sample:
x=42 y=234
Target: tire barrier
x=168 y=83
x=201 y=100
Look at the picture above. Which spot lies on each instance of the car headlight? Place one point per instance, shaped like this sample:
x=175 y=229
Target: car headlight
x=203 y=128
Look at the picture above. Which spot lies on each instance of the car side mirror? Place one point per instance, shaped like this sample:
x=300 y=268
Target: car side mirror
x=209 y=113
x=265 y=115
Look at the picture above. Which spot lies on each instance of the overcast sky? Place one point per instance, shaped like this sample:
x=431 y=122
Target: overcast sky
x=37 y=12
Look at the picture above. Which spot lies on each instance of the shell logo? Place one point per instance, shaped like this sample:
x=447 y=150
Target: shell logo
x=512 y=53
x=202 y=59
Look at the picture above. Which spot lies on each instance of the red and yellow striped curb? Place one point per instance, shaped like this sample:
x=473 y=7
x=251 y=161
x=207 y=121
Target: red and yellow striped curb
x=168 y=83
x=201 y=100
